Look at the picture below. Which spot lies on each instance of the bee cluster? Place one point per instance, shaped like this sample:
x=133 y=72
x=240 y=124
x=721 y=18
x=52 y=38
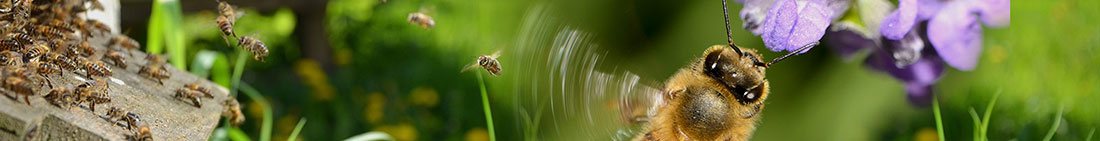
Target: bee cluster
x=44 y=44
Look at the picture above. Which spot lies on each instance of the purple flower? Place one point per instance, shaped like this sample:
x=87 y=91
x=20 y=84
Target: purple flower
x=792 y=24
x=995 y=13
x=901 y=21
x=956 y=35
x=919 y=77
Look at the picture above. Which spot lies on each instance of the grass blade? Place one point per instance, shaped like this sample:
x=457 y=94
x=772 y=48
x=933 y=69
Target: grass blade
x=252 y=93
x=485 y=104
x=977 y=122
x=939 y=117
x=985 y=119
x=1054 y=128
x=297 y=129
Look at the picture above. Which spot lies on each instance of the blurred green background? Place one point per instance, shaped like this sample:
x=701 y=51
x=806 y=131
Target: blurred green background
x=356 y=66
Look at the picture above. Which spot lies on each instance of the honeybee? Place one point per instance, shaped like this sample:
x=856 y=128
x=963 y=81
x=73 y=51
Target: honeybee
x=233 y=112
x=116 y=58
x=126 y=43
x=44 y=69
x=37 y=49
x=190 y=95
x=116 y=114
x=99 y=25
x=19 y=86
x=11 y=58
x=96 y=5
x=198 y=87
x=96 y=68
x=61 y=97
x=85 y=49
x=93 y=93
x=257 y=47
x=421 y=19
x=142 y=134
x=155 y=72
x=488 y=62
x=717 y=97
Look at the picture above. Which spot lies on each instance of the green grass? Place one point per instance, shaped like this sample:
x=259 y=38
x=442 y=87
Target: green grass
x=1054 y=128
x=297 y=129
x=252 y=93
x=939 y=117
x=485 y=104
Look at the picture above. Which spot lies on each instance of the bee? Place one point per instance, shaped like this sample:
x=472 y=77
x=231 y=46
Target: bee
x=190 y=95
x=421 y=19
x=49 y=31
x=96 y=68
x=85 y=49
x=11 y=58
x=37 y=49
x=198 y=87
x=257 y=47
x=142 y=134
x=116 y=114
x=116 y=58
x=21 y=86
x=488 y=62
x=717 y=97
x=233 y=112
x=155 y=72
x=126 y=43
x=43 y=70
x=99 y=25
x=61 y=97
x=93 y=93
x=153 y=60
x=96 y=5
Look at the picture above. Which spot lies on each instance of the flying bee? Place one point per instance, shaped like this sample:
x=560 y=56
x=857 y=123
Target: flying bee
x=233 y=112
x=126 y=43
x=198 y=87
x=96 y=68
x=257 y=47
x=421 y=19
x=155 y=72
x=717 y=97
x=99 y=25
x=190 y=95
x=488 y=62
x=116 y=58
x=21 y=86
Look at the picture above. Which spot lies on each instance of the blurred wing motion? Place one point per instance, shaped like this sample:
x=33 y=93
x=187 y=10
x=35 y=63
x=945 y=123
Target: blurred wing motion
x=564 y=90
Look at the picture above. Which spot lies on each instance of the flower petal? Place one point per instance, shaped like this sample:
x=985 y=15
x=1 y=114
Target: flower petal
x=956 y=35
x=928 y=9
x=846 y=38
x=905 y=51
x=995 y=13
x=901 y=21
x=792 y=24
x=920 y=95
x=927 y=70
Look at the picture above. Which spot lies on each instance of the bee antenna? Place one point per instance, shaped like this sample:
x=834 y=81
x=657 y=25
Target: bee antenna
x=792 y=53
x=729 y=36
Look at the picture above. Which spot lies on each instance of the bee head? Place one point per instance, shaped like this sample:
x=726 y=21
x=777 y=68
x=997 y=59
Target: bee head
x=738 y=74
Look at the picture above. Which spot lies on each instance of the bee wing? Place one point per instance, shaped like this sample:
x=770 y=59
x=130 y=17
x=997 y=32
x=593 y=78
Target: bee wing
x=495 y=55
x=470 y=66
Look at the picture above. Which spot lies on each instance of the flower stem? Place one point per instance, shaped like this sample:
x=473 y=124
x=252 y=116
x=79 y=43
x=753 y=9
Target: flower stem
x=939 y=118
x=252 y=93
x=485 y=105
x=1054 y=128
x=238 y=70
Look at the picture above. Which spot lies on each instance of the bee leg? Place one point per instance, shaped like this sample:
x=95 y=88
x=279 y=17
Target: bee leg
x=195 y=101
x=26 y=99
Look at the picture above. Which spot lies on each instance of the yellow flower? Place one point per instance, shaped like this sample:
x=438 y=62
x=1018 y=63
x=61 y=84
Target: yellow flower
x=477 y=134
x=315 y=78
x=401 y=132
x=424 y=96
x=926 y=134
x=376 y=103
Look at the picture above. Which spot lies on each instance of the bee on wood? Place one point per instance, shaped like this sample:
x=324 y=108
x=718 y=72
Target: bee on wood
x=154 y=60
x=257 y=47
x=233 y=112
x=19 y=86
x=142 y=134
x=93 y=93
x=717 y=97
x=488 y=62
x=96 y=68
x=198 y=87
x=61 y=97
x=156 y=72
x=11 y=58
x=190 y=95
x=114 y=115
x=116 y=58
x=85 y=49
x=37 y=49
x=49 y=31
x=421 y=19
x=126 y=43
x=44 y=69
